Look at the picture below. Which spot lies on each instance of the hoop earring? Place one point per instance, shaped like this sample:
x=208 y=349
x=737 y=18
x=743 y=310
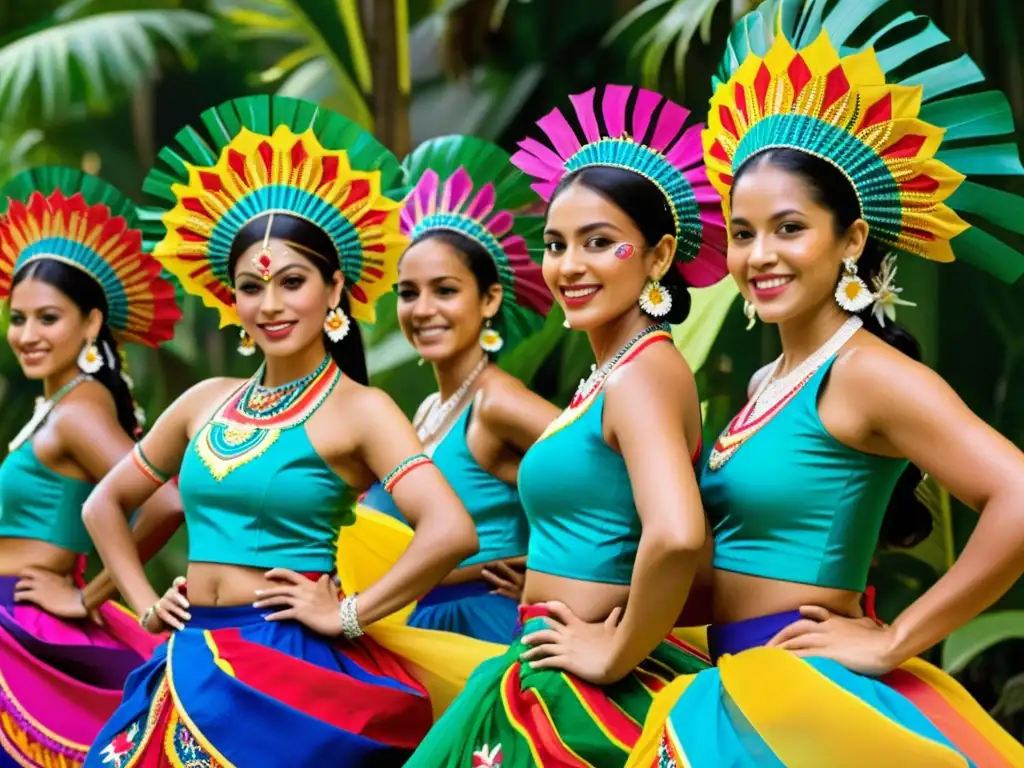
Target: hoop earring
x=490 y=339
x=89 y=359
x=337 y=325
x=852 y=293
x=654 y=299
x=750 y=312
x=246 y=346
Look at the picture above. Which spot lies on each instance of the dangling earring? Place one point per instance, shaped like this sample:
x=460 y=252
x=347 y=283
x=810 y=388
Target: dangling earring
x=490 y=339
x=337 y=325
x=89 y=359
x=246 y=346
x=852 y=293
x=654 y=299
x=565 y=323
x=750 y=312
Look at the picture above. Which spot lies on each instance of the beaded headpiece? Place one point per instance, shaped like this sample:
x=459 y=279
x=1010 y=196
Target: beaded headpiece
x=69 y=216
x=640 y=131
x=265 y=155
x=484 y=214
x=788 y=79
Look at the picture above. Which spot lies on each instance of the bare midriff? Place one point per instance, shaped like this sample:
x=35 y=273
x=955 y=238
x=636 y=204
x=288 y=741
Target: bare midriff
x=738 y=596
x=18 y=554
x=591 y=601
x=216 y=584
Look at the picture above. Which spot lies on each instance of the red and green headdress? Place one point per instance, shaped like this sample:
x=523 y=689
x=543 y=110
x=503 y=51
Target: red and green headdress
x=467 y=185
x=72 y=217
x=910 y=150
x=268 y=154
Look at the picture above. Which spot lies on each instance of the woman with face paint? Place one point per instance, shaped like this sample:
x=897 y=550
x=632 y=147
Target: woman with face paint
x=467 y=292
x=616 y=524
x=289 y=236
x=825 y=166
x=77 y=284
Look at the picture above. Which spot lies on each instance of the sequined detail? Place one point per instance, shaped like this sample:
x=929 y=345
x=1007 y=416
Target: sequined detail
x=403 y=469
x=184 y=750
x=666 y=758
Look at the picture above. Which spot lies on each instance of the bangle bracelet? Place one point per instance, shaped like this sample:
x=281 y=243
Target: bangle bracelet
x=144 y=619
x=349 y=618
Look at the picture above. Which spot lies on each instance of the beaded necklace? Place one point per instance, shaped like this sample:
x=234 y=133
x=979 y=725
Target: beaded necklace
x=254 y=416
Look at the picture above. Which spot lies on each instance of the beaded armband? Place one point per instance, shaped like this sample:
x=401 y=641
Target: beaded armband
x=147 y=468
x=403 y=469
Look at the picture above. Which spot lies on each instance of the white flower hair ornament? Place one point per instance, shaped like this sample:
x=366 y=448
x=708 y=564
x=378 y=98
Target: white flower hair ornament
x=886 y=294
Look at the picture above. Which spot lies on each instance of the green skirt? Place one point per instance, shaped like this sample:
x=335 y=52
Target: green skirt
x=511 y=716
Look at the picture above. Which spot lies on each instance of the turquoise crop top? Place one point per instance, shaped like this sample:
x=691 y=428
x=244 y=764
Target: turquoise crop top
x=38 y=503
x=492 y=503
x=277 y=503
x=795 y=504
x=579 y=503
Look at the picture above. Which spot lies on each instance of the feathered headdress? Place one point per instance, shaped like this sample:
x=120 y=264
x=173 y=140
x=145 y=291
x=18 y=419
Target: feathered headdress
x=479 y=192
x=266 y=154
x=789 y=79
x=69 y=216
x=640 y=131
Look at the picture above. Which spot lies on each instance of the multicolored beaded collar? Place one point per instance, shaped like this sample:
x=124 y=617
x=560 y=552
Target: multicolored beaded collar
x=254 y=416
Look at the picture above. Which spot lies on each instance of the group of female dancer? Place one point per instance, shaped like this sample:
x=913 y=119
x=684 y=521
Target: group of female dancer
x=557 y=568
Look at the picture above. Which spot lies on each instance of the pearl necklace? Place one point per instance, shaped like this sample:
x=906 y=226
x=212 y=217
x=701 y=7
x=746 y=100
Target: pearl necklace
x=597 y=376
x=774 y=390
x=428 y=427
x=44 y=408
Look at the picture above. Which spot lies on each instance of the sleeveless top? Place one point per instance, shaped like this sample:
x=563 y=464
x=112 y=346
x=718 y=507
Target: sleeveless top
x=255 y=491
x=795 y=504
x=38 y=503
x=578 y=499
x=492 y=503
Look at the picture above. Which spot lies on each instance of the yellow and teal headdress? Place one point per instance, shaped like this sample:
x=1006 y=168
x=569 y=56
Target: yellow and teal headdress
x=788 y=79
x=262 y=154
x=467 y=185
x=72 y=217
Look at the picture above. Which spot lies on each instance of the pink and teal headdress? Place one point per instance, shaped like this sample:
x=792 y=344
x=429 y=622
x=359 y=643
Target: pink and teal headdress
x=467 y=185
x=268 y=154
x=789 y=78
x=69 y=216
x=640 y=131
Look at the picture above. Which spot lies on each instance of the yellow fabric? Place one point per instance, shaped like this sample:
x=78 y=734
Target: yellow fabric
x=775 y=689
x=645 y=753
x=441 y=661
x=968 y=709
x=696 y=637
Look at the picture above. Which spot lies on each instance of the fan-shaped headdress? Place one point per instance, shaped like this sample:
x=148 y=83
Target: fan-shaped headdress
x=268 y=154
x=466 y=185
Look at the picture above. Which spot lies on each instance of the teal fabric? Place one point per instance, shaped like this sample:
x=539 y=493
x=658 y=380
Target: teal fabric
x=37 y=503
x=579 y=504
x=283 y=509
x=492 y=503
x=795 y=504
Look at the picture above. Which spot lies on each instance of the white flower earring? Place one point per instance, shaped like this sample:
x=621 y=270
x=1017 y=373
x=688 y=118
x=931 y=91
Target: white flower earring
x=337 y=325
x=490 y=339
x=852 y=293
x=654 y=299
x=246 y=345
x=89 y=359
x=750 y=312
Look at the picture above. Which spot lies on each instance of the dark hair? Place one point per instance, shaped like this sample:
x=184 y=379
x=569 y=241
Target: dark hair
x=478 y=261
x=347 y=353
x=907 y=521
x=87 y=295
x=645 y=204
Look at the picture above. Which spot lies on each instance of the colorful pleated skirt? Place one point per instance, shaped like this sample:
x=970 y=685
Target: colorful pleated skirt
x=515 y=717
x=60 y=680
x=470 y=609
x=233 y=689
x=769 y=708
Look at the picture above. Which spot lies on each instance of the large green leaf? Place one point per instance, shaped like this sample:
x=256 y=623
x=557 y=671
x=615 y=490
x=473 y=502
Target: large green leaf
x=708 y=310
x=979 y=635
x=111 y=53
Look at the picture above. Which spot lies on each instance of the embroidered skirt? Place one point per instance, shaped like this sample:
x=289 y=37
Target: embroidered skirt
x=469 y=609
x=769 y=708
x=60 y=680
x=232 y=689
x=515 y=717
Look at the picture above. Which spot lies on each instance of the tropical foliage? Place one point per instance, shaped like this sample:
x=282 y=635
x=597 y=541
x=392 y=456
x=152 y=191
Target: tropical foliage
x=105 y=83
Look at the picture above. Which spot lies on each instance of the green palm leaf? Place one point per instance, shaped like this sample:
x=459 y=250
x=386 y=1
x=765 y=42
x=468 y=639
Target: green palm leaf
x=110 y=53
x=329 y=61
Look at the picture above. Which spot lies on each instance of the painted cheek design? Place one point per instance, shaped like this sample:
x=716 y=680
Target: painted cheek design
x=624 y=251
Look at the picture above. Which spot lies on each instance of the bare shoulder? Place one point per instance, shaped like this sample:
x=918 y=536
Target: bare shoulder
x=660 y=368
x=360 y=403
x=501 y=394
x=878 y=375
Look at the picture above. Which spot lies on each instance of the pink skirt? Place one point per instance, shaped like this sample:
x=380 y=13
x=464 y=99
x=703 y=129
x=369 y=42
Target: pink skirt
x=60 y=681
